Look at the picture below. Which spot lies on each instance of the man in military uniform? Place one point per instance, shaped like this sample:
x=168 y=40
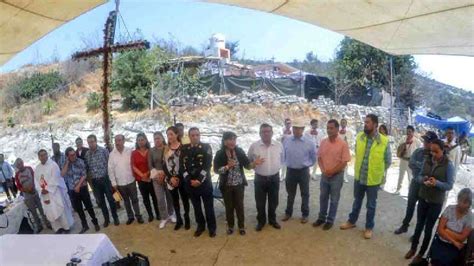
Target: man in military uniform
x=196 y=160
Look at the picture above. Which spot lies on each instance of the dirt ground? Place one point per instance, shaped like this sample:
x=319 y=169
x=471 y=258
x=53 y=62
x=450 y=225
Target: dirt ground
x=294 y=244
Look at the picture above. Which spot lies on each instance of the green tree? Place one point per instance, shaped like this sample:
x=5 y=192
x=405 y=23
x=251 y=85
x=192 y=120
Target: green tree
x=360 y=66
x=134 y=74
x=137 y=72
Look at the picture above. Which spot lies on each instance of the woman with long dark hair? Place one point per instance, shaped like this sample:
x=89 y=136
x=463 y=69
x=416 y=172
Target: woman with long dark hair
x=174 y=179
x=155 y=162
x=229 y=163
x=141 y=172
x=436 y=178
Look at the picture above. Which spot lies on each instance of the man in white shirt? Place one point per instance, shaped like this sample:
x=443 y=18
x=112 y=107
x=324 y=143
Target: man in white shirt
x=267 y=179
x=453 y=149
x=121 y=177
x=53 y=194
x=404 y=152
x=316 y=136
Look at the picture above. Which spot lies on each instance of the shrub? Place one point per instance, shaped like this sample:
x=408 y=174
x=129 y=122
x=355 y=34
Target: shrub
x=10 y=122
x=94 y=101
x=35 y=85
x=48 y=106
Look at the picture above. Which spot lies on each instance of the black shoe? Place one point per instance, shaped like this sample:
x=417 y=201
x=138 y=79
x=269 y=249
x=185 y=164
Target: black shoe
x=178 y=226
x=129 y=221
x=116 y=221
x=212 y=234
x=401 y=230
x=242 y=232
x=106 y=223
x=140 y=220
x=276 y=225
x=230 y=231
x=198 y=232
x=150 y=219
x=187 y=223
x=327 y=226
x=65 y=232
x=318 y=223
x=84 y=229
x=60 y=231
x=259 y=227
x=97 y=227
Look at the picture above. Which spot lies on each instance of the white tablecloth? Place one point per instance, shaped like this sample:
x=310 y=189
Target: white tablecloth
x=14 y=214
x=92 y=249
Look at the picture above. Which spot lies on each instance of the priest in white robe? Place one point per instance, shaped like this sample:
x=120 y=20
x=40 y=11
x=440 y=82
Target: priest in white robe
x=53 y=193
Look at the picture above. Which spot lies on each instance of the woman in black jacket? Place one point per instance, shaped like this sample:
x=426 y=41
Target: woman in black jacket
x=229 y=163
x=436 y=178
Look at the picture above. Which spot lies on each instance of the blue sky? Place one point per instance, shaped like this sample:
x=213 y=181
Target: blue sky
x=261 y=36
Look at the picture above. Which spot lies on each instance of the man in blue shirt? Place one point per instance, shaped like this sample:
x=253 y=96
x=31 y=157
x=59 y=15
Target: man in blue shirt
x=299 y=155
x=74 y=173
x=6 y=177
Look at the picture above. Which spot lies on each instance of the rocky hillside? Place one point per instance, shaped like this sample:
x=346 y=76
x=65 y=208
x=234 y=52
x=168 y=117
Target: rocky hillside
x=445 y=100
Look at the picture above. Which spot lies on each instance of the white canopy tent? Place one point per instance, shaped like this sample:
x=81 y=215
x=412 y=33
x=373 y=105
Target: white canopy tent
x=22 y=22
x=394 y=26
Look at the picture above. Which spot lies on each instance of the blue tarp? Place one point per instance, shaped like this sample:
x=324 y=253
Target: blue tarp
x=460 y=125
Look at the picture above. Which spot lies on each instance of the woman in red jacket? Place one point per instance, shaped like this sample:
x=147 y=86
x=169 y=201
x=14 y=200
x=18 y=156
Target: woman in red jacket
x=141 y=172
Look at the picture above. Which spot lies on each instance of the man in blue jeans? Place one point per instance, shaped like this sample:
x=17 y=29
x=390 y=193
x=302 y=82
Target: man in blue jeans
x=373 y=157
x=333 y=157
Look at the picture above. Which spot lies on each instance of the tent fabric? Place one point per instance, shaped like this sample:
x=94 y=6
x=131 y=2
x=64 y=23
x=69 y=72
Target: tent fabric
x=22 y=22
x=238 y=84
x=284 y=86
x=459 y=125
x=315 y=86
x=396 y=27
x=211 y=83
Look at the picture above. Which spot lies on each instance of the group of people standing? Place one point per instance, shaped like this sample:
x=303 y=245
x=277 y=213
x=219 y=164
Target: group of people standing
x=178 y=170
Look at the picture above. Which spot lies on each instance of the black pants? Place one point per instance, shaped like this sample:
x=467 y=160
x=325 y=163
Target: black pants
x=203 y=194
x=130 y=199
x=411 y=203
x=234 y=201
x=426 y=218
x=103 y=190
x=266 y=187
x=295 y=177
x=83 y=197
x=147 y=191
x=8 y=185
x=176 y=194
x=445 y=254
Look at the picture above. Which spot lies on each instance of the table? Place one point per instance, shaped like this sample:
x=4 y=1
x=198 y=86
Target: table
x=92 y=249
x=14 y=214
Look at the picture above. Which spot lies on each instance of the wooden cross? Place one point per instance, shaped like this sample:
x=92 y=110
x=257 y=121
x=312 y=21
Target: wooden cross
x=107 y=51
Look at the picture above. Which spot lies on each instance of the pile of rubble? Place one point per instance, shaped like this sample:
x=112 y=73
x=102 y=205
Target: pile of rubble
x=246 y=97
x=325 y=106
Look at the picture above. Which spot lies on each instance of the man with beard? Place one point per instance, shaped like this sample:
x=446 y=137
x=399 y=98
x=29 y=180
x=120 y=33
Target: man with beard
x=373 y=157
